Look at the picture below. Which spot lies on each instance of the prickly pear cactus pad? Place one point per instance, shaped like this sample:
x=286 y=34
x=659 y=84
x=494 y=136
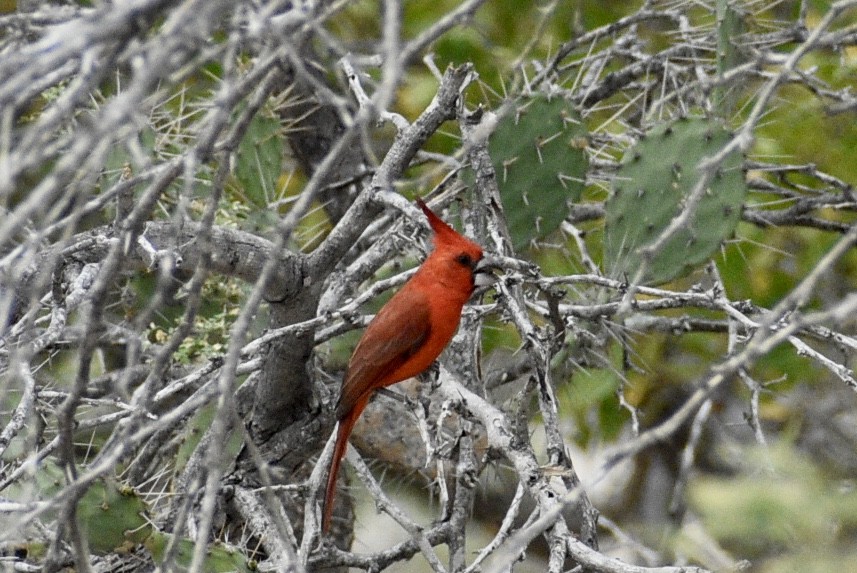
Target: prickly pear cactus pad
x=219 y=557
x=539 y=154
x=111 y=516
x=257 y=161
x=730 y=26
x=651 y=187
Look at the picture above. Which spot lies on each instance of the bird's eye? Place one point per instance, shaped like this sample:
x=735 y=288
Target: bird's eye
x=464 y=259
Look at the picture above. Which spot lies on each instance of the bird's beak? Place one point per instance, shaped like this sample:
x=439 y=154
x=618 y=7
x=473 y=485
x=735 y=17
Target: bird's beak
x=483 y=272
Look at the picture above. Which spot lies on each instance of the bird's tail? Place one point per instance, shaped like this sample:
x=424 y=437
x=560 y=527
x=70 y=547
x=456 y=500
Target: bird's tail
x=343 y=432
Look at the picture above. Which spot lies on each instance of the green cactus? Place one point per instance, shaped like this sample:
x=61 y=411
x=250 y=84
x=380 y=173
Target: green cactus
x=650 y=189
x=111 y=515
x=219 y=557
x=730 y=25
x=539 y=154
x=258 y=160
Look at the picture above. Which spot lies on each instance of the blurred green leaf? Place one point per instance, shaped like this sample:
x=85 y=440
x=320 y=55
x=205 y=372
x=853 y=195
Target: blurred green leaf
x=780 y=501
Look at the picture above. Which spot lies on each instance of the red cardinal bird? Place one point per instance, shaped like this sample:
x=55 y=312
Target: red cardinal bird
x=408 y=333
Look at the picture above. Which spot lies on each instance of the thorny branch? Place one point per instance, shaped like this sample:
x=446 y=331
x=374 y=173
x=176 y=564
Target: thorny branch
x=97 y=258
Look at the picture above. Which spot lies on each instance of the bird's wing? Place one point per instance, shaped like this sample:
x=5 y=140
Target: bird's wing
x=395 y=334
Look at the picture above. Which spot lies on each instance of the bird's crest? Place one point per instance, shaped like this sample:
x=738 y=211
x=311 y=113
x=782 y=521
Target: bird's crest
x=443 y=232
